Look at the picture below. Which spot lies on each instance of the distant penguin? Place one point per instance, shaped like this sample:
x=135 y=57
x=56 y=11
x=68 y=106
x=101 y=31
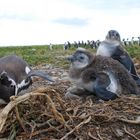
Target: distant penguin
x=15 y=75
x=99 y=75
x=112 y=47
x=50 y=46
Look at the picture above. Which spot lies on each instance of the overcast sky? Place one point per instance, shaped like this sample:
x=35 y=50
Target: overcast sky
x=29 y=22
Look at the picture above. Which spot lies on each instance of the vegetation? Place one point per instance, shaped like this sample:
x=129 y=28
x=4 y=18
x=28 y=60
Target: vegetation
x=36 y=55
x=134 y=51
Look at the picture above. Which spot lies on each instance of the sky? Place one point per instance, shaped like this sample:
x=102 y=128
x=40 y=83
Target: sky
x=39 y=22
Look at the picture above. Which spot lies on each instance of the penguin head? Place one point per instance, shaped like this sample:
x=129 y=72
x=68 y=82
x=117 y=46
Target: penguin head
x=7 y=87
x=113 y=35
x=81 y=58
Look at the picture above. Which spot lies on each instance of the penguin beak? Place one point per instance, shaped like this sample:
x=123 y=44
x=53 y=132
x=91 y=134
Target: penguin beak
x=70 y=58
x=41 y=74
x=113 y=36
x=49 y=78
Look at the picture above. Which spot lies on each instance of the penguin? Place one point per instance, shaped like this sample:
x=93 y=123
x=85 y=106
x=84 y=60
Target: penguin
x=104 y=84
x=98 y=75
x=16 y=75
x=112 y=47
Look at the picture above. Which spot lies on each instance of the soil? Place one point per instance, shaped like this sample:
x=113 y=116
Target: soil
x=47 y=115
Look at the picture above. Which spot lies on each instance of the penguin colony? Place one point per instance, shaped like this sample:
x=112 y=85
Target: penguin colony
x=108 y=74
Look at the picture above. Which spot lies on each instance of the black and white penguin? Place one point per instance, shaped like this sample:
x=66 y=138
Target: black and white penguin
x=15 y=75
x=112 y=47
x=99 y=75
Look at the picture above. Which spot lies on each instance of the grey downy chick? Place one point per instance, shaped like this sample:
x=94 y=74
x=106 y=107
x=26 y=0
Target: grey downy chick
x=99 y=75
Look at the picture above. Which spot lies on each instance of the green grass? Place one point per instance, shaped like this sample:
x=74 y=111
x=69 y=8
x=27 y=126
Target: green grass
x=36 y=55
x=134 y=51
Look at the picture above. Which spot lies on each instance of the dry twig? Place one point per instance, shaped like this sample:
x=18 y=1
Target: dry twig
x=130 y=134
x=91 y=136
x=98 y=134
x=129 y=121
x=76 y=128
x=20 y=121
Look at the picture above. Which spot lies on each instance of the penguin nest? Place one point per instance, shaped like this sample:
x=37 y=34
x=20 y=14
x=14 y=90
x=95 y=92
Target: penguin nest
x=46 y=115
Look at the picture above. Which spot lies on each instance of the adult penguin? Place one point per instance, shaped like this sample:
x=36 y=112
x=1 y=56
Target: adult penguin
x=16 y=75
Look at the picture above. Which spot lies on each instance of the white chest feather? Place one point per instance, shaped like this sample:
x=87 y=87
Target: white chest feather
x=114 y=85
x=106 y=49
x=27 y=70
x=23 y=83
x=103 y=50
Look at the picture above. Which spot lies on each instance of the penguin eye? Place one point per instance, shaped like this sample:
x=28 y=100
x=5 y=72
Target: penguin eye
x=117 y=34
x=81 y=57
x=92 y=77
x=11 y=86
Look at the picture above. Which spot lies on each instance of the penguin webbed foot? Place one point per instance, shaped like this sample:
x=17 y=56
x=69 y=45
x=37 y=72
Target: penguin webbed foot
x=104 y=94
x=76 y=92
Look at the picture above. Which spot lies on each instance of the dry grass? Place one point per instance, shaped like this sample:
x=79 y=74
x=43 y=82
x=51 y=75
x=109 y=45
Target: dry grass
x=45 y=114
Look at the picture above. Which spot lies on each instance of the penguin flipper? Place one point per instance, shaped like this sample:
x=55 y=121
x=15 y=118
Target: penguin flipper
x=134 y=74
x=123 y=58
x=104 y=94
x=129 y=65
x=118 y=51
x=127 y=62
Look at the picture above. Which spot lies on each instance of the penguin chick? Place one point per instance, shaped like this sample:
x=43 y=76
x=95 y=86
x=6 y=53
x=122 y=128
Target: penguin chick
x=112 y=47
x=16 y=75
x=103 y=84
x=99 y=75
